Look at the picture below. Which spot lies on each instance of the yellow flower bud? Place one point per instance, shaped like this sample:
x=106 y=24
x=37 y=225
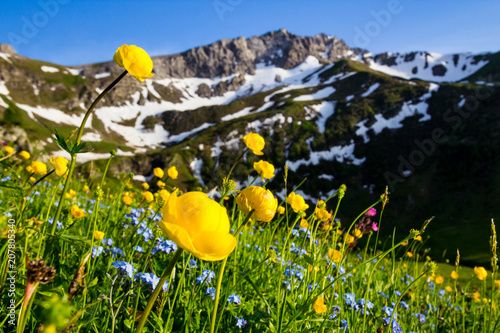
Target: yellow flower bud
x=334 y=255
x=86 y=188
x=164 y=194
x=481 y=273
x=127 y=200
x=262 y=201
x=439 y=279
x=322 y=214
x=24 y=154
x=158 y=172
x=172 y=172
x=264 y=169
x=160 y=184
x=281 y=210
x=145 y=186
x=454 y=275
x=254 y=142
x=8 y=149
x=60 y=164
x=98 y=235
x=319 y=306
x=199 y=225
x=148 y=196
x=32 y=179
x=304 y=223
x=135 y=60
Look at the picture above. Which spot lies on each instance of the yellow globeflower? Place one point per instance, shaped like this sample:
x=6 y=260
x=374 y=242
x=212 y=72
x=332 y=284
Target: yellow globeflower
x=99 y=235
x=148 y=196
x=264 y=169
x=29 y=168
x=358 y=233
x=32 y=179
x=164 y=194
x=39 y=167
x=319 y=306
x=127 y=200
x=199 y=225
x=8 y=149
x=454 y=275
x=334 y=255
x=418 y=238
x=172 y=172
x=160 y=184
x=297 y=202
x=281 y=210
x=60 y=164
x=476 y=296
x=439 y=279
x=259 y=199
x=497 y=284
x=145 y=186
x=77 y=212
x=24 y=154
x=304 y=223
x=135 y=60
x=322 y=214
x=349 y=239
x=255 y=143
x=480 y=272
x=448 y=289
x=158 y=172
x=409 y=254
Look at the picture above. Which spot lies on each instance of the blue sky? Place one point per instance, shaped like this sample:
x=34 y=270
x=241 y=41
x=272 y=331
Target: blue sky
x=72 y=32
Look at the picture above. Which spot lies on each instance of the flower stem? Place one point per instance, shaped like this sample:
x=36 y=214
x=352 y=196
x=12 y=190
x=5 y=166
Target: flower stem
x=78 y=140
x=217 y=294
x=156 y=292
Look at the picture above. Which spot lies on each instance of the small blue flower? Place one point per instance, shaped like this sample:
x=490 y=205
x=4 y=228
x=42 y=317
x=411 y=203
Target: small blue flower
x=421 y=317
x=240 y=322
x=350 y=299
x=192 y=263
x=145 y=232
x=139 y=249
x=96 y=251
x=107 y=241
x=442 y=292
x=359 y=256
x=151 y=279
x=311 y=287
x=397 y=293
x=336 y=310
x=167 y=246
x=404 y=305
x=115 y=251
x=206 y=275
x=344 y=325
x=59 y=224
x=5 y=179
x=124 y=268
x=210 y=291
x=233 y=298
x=387 y=310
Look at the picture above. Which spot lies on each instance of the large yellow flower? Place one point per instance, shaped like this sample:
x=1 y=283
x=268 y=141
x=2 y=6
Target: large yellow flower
x=255 y=143
x=481 y=273
x=39 y=167
x=322 y=214
x=199 y=225
x=297 y=202
x=135 y=60
x=172 y=172
x=60 y=164
x=261 y=200
x=264 y=169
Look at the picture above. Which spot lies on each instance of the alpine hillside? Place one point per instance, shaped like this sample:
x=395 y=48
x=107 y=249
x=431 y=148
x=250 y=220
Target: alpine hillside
x=424 y=124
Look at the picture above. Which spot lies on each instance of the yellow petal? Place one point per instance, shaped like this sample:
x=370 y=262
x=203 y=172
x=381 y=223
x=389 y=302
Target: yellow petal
x=214 y=245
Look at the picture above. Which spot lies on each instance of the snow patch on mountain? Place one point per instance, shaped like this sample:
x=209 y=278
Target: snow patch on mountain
x=3 y=89
x=408 y=110
x=102 y=75
x=196 y=165
x=49 y=69
x=342 y=154
x=429 y=66
x=5 y=57
x=323 y=110
x=242 y=113
x=371 y=89
x=320 y=94
x=54 y=115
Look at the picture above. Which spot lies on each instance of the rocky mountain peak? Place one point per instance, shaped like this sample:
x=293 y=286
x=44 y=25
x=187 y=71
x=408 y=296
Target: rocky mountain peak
x=8 y=49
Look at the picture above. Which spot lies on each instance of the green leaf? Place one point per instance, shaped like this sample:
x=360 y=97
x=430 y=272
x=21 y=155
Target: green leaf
x=308 y=260
x=62 y=142
x=93 y=282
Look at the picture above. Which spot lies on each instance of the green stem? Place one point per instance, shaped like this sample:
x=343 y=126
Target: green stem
x=217 y=294
x=78 y=140
x=156 y=292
